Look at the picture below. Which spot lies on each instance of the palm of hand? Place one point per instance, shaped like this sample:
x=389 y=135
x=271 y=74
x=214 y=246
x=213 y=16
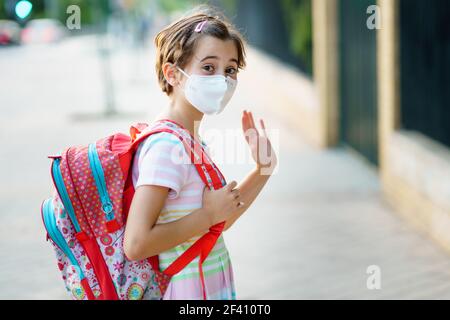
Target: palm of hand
x=260 y=146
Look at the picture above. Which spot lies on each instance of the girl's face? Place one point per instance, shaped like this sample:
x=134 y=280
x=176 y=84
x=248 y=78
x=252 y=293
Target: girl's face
x=214 y=56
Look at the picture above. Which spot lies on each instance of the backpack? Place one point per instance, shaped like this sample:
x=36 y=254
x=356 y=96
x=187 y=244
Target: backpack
x=86 y=216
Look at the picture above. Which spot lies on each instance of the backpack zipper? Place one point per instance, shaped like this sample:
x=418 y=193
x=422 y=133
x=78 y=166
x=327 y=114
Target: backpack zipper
x=99 y=177
x=64 y=195
x=53 y=232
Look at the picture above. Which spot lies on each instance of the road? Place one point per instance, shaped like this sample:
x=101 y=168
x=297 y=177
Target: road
x=312 y=234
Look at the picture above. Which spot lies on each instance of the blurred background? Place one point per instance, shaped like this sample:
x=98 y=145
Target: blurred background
x=355 y=93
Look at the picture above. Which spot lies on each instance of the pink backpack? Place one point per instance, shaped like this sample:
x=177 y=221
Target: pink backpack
x=85 y=219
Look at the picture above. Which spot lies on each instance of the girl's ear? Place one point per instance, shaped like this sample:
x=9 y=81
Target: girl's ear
x=170 y=74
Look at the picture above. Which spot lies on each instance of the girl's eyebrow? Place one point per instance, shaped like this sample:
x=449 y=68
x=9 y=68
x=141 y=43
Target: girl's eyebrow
x=216 y=57
x=209 y=57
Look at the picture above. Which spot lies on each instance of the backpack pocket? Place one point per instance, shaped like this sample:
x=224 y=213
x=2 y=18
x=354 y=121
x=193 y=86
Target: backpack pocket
x=107 y=206
x=63 y=194
x=76 y=282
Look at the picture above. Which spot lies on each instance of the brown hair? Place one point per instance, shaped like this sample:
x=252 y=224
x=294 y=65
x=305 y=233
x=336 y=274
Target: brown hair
x=177 y=42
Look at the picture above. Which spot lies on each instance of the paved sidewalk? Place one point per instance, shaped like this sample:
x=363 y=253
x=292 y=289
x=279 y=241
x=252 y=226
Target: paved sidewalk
x=312 y=233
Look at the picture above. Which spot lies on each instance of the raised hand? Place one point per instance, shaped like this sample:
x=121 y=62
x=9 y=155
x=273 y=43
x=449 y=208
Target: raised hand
x=260 y=146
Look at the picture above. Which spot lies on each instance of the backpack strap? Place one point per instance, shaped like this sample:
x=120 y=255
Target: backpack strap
x=213 y=178
x=137 y=129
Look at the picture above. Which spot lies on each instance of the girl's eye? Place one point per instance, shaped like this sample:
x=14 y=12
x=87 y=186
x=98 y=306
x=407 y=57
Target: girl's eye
x=231 y=71
x=208 y=68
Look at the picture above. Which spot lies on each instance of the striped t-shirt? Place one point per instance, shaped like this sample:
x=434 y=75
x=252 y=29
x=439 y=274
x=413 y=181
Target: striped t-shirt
x=162 y=160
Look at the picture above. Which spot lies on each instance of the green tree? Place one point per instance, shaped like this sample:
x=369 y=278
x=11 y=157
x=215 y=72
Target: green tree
x=298 y=17
x=169 y=6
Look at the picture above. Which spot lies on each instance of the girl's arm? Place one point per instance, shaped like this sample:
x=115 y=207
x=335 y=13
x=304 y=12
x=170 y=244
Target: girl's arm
x=249 y=189
x=144 y=238
x=266 y=161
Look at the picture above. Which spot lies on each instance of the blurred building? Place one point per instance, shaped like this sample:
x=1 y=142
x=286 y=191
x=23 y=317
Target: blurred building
x=386 y=94
x=380 y=86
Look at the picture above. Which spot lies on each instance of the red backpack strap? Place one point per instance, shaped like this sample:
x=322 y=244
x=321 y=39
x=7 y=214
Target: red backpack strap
x=214 y=179
x=137 y=129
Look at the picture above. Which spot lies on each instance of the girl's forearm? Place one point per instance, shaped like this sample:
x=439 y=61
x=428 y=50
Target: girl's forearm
x=249 y=189
x=163 y=237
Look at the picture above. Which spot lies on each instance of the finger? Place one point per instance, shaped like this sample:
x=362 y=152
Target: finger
x=236 y=193
x=261 y=121
x=252 y=131
x=244 y=119
x=252 y=119
x=245 y=124
x=252 y=122
x=240 y=204
x=231 y=185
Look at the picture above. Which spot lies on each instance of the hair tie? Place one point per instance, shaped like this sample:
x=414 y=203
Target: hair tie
x=200 y=26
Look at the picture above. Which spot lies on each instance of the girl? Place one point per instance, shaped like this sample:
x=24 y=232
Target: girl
x=198 y=59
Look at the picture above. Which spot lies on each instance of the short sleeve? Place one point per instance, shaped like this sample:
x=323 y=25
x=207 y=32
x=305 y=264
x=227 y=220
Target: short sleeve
x=163 y=161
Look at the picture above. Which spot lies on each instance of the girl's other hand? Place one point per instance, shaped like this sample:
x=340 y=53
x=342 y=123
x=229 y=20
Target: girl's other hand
x=260 y=146
x=221 y=203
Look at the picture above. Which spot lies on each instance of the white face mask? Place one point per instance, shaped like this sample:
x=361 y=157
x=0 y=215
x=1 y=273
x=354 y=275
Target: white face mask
x=209 y=94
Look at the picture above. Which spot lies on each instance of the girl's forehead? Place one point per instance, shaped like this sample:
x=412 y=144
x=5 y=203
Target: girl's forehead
x=209 y=46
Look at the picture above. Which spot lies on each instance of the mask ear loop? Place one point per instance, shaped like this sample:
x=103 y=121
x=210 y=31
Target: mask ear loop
x=182 y=71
